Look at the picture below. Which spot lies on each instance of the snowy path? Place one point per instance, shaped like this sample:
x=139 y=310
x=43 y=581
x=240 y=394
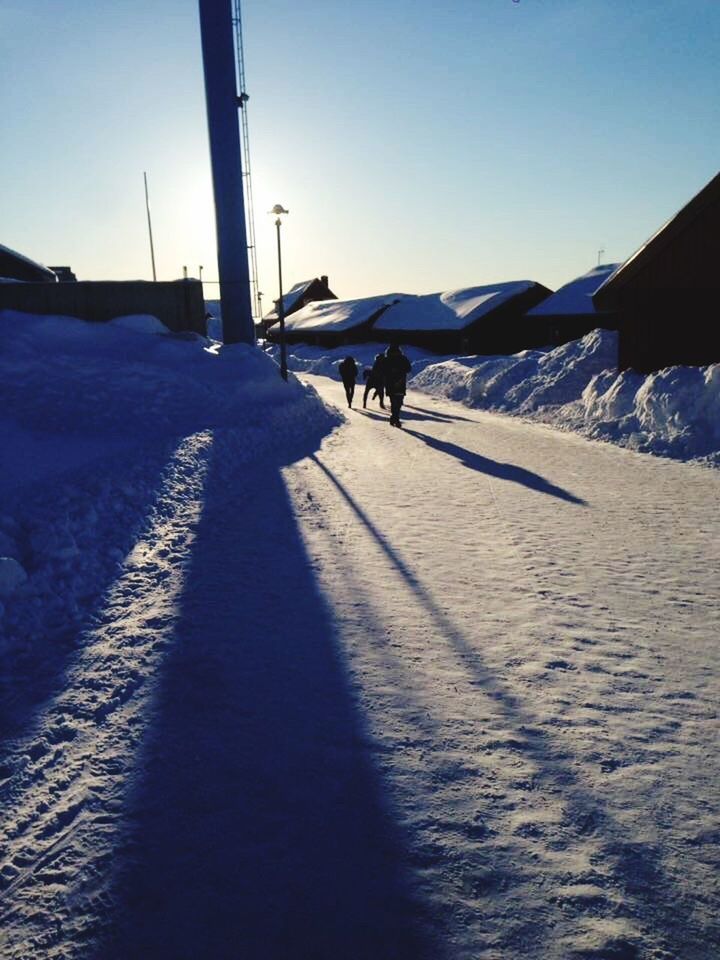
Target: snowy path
x=531 y=621
x=445 y=692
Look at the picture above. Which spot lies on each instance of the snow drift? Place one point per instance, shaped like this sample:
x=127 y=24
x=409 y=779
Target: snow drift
x=91 y=417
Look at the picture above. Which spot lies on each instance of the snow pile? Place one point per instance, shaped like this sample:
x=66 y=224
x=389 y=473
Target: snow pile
x=92 y=415
x=576 y=386
x=675 y=412
x=453 y=310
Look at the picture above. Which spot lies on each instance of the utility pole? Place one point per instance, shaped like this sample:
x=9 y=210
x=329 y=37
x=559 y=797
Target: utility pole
x=216 y=28
x=147 y=207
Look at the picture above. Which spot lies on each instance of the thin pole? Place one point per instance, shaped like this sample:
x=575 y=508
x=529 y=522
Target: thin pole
x=281 y=309
x=147 y=207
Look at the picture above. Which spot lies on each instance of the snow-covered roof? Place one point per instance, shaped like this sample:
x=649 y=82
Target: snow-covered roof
x=575 y=297
x=16 y=266
x=336 y=315
x=291 y=298
x=454 y=310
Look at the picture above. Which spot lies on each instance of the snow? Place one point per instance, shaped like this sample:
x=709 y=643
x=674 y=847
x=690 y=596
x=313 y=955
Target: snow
x=575 y=297
x=284 y=681
x=291 y=297
x=90 y=412
x=453 y=310
x=335 y=315
x=573 y=387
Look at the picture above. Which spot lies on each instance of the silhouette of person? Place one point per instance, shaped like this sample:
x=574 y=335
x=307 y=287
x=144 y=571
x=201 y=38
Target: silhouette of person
x=376 y=381
x=397 y=367
x=348 y=371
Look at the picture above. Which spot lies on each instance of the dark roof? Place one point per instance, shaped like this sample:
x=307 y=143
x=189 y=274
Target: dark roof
x=295 y=294
x=15 y=266
x=690 y=217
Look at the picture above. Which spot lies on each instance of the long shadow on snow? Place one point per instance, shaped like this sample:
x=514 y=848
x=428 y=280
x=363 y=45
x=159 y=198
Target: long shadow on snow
x=259 y=827
x=494 y=468
x=434 y=415
x=636 y=867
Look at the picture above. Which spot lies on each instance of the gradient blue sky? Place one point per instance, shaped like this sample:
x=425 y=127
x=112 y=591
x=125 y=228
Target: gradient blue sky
x=419 y=146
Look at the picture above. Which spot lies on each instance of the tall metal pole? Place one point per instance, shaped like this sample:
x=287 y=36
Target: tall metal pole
x=281 y=309
x=216 y=29
x=147 y=207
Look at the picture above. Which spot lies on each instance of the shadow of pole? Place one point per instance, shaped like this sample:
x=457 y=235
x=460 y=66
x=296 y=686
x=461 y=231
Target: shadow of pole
x=259 y=828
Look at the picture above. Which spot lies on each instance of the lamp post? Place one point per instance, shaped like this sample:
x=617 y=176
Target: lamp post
x=278 y=210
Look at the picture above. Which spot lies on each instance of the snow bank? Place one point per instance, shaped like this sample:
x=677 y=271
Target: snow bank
x=575 y=386
x=90 y=418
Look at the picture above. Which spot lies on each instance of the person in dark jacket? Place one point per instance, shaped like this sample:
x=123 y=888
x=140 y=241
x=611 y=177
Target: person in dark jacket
x=376 y=381
x=348 y=371
x=397 y=367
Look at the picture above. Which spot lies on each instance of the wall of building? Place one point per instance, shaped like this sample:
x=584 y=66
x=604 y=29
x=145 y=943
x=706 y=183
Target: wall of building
x=178 y=304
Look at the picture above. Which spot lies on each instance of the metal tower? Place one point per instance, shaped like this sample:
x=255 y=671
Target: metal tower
x=249 y=210
x=219 y=63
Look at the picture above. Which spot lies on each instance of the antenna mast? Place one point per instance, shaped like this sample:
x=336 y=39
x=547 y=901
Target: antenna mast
x=247 y=179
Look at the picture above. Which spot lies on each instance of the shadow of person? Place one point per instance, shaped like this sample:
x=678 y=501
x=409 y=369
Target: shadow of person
x=494 y=468
x=432 y=414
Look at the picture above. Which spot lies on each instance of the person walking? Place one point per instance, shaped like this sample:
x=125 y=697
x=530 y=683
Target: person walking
x=397 y=367
x=376 y=381
x=348 y=371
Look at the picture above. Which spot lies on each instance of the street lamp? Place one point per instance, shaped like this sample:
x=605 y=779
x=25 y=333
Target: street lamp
x=278 y=210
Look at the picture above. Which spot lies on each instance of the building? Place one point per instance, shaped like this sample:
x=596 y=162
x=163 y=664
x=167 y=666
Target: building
x=64 y=274
x=484 y=320
x=666 y=295
x=570 y=312
x=309 y=291
x=332 y=323
x=15 y=266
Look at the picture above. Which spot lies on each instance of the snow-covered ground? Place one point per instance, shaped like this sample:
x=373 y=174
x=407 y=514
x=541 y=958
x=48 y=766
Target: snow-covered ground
x=280 y=680
x=576 y=386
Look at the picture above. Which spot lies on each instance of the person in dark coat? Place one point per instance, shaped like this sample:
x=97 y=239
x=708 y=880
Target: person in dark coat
x=397 y=367
x=376 y=381
x=348 y=371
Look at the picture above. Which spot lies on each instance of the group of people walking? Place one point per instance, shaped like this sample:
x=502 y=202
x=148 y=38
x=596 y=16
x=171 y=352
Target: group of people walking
x=388 y=376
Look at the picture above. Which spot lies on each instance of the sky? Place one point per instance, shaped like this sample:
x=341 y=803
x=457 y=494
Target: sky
x=418 y=147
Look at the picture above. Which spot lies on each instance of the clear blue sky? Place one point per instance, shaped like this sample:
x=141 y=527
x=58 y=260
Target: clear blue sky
x=418 y=146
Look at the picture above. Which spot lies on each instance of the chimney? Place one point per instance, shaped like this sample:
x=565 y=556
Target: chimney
x=324 y=280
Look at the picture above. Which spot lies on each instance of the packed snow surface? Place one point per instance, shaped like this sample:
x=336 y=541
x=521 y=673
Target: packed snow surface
x=575 y=297
x=454 y=310
x=282 y=682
